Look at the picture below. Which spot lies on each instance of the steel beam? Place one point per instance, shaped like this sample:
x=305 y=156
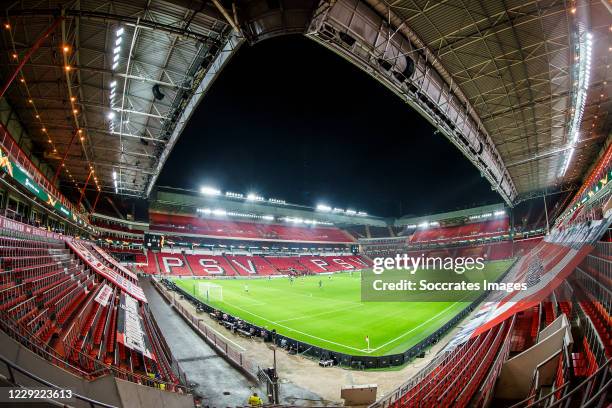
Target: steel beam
x=84 y=187
x=130 y=21
x=32 y=50
x=59 y=167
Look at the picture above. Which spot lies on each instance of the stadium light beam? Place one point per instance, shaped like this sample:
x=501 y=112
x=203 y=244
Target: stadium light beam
x=254 y=197
x=211 y=191
x=323 y=208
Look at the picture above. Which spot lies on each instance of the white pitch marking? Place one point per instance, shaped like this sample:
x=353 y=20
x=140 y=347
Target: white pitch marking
x=297 y=331
x=413 y=329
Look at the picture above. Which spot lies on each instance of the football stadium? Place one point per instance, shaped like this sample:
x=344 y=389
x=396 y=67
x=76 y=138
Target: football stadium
x=306 y=203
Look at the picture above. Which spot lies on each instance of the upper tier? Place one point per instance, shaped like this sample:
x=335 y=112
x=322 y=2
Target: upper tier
x=245 y=230
x=462 y=232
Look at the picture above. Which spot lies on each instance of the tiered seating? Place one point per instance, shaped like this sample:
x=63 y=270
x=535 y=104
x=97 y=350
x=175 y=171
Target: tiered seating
x=549 y=313
x=141 y=258
x=248 y=265
x=462 y=232
x=251 y=265
x=602 y=321
x=566 y=308
x=210 y=265
x=342 y=263
x=249 y=230
x=173 y=264
x=150 y=266
x=379 y=232
x=522 y=333
x=357 y=231
x=491 y=251
x=585 y=362
x=48 y=295
x=315 y=264
x=286 y=263
x=502 y=250
x=455 y=379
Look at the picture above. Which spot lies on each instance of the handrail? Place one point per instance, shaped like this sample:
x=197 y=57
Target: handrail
x=605 y=367
x=12 y=366
x=99 y=367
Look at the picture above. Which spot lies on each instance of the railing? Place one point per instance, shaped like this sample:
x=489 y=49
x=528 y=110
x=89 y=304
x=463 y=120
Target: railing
x=210 y=334
x=485 y=392
x=11 y=368
x=166 y=349
x=592 y=392
x=96 y=368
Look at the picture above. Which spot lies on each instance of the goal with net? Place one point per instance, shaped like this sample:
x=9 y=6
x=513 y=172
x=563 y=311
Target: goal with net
x=210 y=292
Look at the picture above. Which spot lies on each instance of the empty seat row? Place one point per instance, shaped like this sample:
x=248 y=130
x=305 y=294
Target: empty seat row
x=243 y=265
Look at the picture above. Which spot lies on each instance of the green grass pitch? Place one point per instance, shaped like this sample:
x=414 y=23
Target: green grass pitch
x=333 y=316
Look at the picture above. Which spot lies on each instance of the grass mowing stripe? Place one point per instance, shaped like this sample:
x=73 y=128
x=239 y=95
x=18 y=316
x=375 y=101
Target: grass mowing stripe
x=333 y=316
x=296 y=331
x=413 y=329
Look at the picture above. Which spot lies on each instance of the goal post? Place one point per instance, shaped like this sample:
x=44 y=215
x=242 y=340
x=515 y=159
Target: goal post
x=209 y=292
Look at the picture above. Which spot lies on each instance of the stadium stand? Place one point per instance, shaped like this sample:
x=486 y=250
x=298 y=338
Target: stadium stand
x=214 y=265
x=475 y=230
x=183 y=264
x=63 y=302
x=245 y=230
x=174 y=264
x=251 y=265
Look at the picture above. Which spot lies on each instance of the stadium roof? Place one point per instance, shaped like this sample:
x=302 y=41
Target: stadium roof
x=512 y=74
x=515 y=62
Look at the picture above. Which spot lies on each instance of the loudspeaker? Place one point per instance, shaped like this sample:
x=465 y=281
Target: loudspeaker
x=157 y=93
x=347 y=39
x=409 y=70
x=384 y=64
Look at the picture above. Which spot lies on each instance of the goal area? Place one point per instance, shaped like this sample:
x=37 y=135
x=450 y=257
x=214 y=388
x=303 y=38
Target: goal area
x=210 y=292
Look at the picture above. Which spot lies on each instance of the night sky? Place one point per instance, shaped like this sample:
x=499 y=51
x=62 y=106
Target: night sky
x=292 y=120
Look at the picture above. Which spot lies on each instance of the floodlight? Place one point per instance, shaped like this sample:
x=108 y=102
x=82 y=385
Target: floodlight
x=207 y=190
x=117 y=50
x=254 y=197
x=219 y=211
x=323 y=207
x=111 y=115
x=119 y=32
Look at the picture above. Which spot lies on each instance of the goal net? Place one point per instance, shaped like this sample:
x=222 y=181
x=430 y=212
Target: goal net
x=210 y=292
